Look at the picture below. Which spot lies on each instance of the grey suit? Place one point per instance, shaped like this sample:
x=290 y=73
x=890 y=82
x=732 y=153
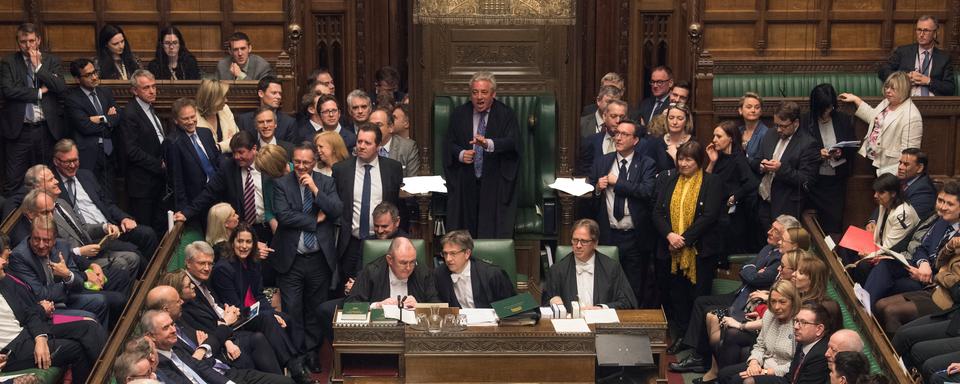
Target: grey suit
x=588 y=125
x=70 y=226
x=257 y=68
x=407 y=152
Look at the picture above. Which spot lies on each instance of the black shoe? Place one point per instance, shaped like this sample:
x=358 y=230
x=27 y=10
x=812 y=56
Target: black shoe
x=700 y=380
x=677 y=346
x=312 y=362
x=692 y=363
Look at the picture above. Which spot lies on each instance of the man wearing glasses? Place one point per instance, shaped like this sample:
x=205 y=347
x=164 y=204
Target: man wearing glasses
x=92 y=112
x=324 y=111
x=661 y=80
x=589 y=277
x=393 y=275
x=809 y=365
x=467 y=282
x=624 y=182
x=930 y=68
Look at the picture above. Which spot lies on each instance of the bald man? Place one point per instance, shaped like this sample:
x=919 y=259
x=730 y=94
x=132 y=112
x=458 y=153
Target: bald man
x=844 y=340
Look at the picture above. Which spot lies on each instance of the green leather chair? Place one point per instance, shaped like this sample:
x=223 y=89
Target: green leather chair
x=500 y=253
x=610 y=250
x=177 y=261
x=794 y=84
x=47 y=376
x=373 y=249
x=537 y=119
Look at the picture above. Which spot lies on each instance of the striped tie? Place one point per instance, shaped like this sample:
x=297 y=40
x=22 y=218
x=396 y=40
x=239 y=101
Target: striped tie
x=249 y=202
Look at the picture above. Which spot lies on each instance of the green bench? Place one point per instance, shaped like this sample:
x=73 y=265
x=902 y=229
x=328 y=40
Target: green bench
x=798 y=84
x=537 y=119
x=373 y=249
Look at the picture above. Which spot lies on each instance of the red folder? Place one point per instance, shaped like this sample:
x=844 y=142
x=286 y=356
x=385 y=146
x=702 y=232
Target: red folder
x=859 y=240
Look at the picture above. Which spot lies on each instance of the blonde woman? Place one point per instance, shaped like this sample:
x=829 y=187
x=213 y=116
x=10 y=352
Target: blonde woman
x=895 y=124
x=273 y=161
x=214 y=114
x=753 y=129
x=222 y=219
x=679 y=128
x=331 y=150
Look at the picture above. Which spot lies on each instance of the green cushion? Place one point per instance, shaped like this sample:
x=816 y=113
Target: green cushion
x=610 y=250
x=188 y=236
x=47 y=376
x=723 y=286
x=373 y=249
x=849 y=323
x=741 y=258
x=794 y=84
x=538 y=145
x=499 y=253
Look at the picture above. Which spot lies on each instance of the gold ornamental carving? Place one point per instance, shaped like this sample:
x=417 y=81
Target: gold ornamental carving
x=495 y=12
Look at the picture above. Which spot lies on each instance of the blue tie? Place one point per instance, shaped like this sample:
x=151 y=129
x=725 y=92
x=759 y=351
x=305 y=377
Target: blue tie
x=925 y=70
x=217 y=364
x=29 y=114
x=204 y=160
x=384 y=152
x=618 y=199
x=185 y=369
x=365 y=203
x=309 y=237
x=478 y=154
x=107 y=142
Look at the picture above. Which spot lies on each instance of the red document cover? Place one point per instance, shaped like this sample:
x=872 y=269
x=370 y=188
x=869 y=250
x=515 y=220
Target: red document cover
x=858 y=240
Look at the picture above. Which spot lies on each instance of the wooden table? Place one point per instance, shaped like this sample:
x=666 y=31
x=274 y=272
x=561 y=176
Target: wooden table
x=495 y=354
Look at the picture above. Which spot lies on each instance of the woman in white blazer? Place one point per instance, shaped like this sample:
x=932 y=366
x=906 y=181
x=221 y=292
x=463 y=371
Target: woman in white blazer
x=214 y=114
x=895 y=124
x=896 y=218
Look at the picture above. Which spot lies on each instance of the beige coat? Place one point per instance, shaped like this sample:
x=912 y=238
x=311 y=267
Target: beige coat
x=228 y=126
x=903 y=129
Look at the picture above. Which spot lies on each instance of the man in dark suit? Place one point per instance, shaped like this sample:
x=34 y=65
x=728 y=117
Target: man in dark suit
x=362 y=183
x=481 y=162
x=396 y=274
x=396 y=147
x=205 y=313
x=601 y=143
x=386 y=222
x=624 y=183
x=166 y=298
x=191 y=155
x=661 y=80
x=359 y=106
x=589 y=277
x=93 y=114
x=266 y=122
x=809 y=365
x=612 y=79
x=176 y=366
x=930 y=68
x=787 y=165
x=468 y=282
x=919 y=189
x=32 y=120
x=143 y=135
x=95 y=205
x=324 y=112
x=44 y=263
x=307 y=206
x=239 y=183
x=35 y=343
x=592 y=123
x=270 y=92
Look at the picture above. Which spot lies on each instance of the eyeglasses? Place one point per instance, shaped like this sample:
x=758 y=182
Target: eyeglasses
x=329 y=111
x=68 y=161
x=659 y=82
x=923 y=31
x=624 y=134
x=91 y=74
x=581 y=241
x=453 y=253
x=171 y=43
x=785 y=126
x=799 y=322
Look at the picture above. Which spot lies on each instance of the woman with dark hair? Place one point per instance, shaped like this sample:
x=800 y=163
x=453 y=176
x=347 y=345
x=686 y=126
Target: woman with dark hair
x=850 y=368
x=172 y=60
x=687 y=208
x=896 y=218
x=828 y=126
x=115 y=60
x=727 y=160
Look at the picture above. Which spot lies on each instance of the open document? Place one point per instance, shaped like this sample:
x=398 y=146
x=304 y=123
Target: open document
x=576 y=187
x=416 y=185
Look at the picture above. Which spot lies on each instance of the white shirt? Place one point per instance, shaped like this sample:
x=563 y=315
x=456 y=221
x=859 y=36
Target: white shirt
x=463 y=287
x=609 y=196
x=258 y=190
x=317 y=127
x=154 y=120
x=386 y=146
x=376 y=194
x=10 y=328
x=599 y=118
x=918 y=66
x=273 y=140
x=397 y=287
x=207 y=296
x=585 y=272
x=91 y=214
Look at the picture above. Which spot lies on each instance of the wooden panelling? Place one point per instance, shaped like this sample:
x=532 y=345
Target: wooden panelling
x=855 y=36
x=904 y=33
x=257 y=5
x=71 y=40
x=9 y=44
x=857 y=5
x=918 y=6
x=142 y=39
x=719 y=38
x=266 y=39
x=792 y=5
x=177 y=6
x=137 y=6
x=67 y=6
x=203 y=38
x=727 y=5
x=791 y=39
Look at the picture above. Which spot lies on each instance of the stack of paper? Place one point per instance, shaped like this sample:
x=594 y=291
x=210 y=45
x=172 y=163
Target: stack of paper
x=480 y=317
x=576 y=187
x=407 y=315
x=570 y=326
x=601 y=316
x=416 y=185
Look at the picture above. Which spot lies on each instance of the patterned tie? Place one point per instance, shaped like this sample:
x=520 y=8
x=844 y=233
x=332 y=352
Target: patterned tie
x=947 y=235
x=618 y=198
x=249 y=198
x=365 y=203
x=384 y=152
x=767 y=182
x=478 y=156
x=796 y=373
x=72 y=189
x=204 y=160
x=925 y=70
x=29 y=114
x=309 y=237
x=185 y=369
x=107 y=142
